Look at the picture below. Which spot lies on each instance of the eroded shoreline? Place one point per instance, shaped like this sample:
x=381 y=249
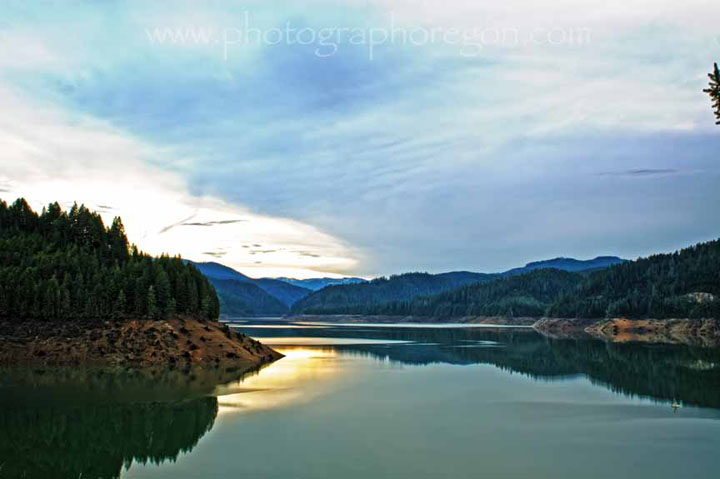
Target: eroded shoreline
x=130 y=342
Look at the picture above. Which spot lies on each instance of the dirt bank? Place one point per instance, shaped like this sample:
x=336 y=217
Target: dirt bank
x=563 y=327
x=131 y=342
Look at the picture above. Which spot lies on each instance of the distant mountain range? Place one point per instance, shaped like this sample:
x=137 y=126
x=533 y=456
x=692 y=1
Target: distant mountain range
x=316 y=284
x=241 y=295
x=366 y=297
x=242 y=298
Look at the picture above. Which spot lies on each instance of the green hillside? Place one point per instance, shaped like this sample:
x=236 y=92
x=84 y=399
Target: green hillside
x=684 y=284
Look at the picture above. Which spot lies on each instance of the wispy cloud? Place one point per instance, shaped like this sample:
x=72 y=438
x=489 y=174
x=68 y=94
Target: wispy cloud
x=215 y=254
x=643 y=172
x=176 y=224
x=213 y=223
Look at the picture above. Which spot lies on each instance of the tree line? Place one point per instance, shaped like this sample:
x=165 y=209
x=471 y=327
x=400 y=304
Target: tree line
x=68 y=265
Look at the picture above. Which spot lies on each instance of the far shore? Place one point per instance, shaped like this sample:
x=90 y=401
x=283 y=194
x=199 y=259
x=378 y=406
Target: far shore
x=358 y=318
x=698 y=332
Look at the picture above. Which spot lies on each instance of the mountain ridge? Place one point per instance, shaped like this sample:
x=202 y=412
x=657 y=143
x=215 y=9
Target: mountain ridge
x=287 y=295
x=567 y=264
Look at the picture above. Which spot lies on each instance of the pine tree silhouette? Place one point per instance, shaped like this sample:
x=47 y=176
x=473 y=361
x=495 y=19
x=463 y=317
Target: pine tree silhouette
x=714 y=91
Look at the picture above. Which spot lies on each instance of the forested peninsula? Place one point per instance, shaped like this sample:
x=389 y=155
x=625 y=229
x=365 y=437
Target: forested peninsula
x=75 y=291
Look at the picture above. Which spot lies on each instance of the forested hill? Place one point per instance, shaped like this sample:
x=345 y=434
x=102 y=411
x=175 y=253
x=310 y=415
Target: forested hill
x=68 y=265
x=528 y=294
x=358 y=298
x=684 y=284
x=241 y=295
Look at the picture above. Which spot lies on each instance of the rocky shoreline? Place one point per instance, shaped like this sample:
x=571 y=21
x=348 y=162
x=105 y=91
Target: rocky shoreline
x=179 y=341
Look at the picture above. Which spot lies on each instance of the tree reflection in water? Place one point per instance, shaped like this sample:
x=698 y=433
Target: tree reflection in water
x=66 y=423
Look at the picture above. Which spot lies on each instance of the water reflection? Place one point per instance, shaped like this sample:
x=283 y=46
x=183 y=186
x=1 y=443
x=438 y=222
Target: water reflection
x=687 y=374
x=302 y=375
x=70 y=423
x=94 y=423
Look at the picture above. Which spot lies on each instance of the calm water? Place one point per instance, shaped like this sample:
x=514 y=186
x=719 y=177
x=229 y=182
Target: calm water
x=372 y=401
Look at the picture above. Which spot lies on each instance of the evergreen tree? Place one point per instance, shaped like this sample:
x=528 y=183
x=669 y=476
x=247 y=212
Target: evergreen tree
x=714 y=91
x=68 y=265
x=152 y=308
x=120 y=304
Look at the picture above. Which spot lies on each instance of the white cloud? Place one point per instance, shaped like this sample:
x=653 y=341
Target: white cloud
x=49 y=155
x=22 y=50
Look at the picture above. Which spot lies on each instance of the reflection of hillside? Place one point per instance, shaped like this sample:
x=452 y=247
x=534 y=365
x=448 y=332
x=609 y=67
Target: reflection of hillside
x=94 y=434
x=666 y=372
x=96 y=441
x=660 y=371
x=103 y=385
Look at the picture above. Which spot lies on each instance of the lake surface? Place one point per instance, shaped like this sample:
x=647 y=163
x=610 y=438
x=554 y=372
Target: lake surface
x=375 y=401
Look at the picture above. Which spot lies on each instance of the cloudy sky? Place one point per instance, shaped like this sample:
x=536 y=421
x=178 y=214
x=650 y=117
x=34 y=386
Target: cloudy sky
x=368 y=137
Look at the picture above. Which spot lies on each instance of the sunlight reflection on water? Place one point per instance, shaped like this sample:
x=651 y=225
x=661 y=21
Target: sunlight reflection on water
x=318 y=341
x=303 y=374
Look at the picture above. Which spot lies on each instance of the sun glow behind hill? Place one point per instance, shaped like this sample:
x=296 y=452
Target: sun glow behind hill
x=48 y=155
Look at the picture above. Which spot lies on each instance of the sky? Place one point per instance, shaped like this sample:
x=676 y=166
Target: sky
x=368 y=137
